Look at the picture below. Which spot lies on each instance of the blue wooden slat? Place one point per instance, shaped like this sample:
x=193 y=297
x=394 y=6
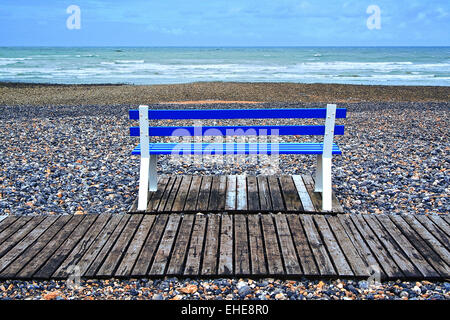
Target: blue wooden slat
x=236 y=130
x=237 y=148
x=310 y=113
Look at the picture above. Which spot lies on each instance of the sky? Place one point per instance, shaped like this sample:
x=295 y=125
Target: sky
x=226 y=23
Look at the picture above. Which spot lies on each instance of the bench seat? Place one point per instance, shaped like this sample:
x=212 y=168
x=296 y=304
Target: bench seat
x=235 y=148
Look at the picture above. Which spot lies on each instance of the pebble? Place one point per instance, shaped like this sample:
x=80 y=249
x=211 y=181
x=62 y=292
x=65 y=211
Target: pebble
x=363 y=284
x=404 y=294
x=172 y=289
x=417 y=290
x=244 y=291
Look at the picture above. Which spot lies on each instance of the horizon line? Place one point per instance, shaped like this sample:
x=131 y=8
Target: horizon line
x=225 y=46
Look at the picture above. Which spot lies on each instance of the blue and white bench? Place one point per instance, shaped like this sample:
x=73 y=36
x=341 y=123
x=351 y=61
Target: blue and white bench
x=324 y=150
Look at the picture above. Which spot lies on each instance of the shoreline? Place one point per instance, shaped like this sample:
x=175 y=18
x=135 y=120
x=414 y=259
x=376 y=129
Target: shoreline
x=39 y=94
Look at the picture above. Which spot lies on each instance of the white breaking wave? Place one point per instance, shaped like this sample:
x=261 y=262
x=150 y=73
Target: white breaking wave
x=66 y=68
x=8 y=61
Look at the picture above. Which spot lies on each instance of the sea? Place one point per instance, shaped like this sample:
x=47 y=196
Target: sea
x=168 y=65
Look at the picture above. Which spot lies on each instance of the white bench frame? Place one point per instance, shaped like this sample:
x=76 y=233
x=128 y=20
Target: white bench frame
x=323 y=179
x=323 y=169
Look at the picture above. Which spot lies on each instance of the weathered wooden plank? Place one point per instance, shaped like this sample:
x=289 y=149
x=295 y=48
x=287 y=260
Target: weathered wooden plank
x=10 y=222
x=217 y=196
x=130 y=257
x=210 y=254
x=258 y=261
x=90 y=255
x=28 y=254
x=407 y=248
x=203 y=196
x=230 y=199
x=264 y=241
x=12 y=230
x=359 y=267
x=193 y=262
x=191 y=199
x=290 y=194
x=289 y=254
x=165 y=246
x=50 y=266
x=19 y=234
x=226 y=246
x=241 y=250
x=27 y=242
x=149 y=248
x=241 y=193
x=429 y=238
x=264 y=194
x=385 y=261
x=81 y=248
x=340 y=262
x=274 y=260
x=317 y=246
x=438 y=263
x=50 y=248
x=304 y=252
x=116 y=253
x=441 y=223
x=170 y=187
x=180 y=200
x=303 y=194
x=315 y=197
x=434 y=230
x=446 y=218
x=173 y=194
x=275 y=194
x=214 y=194
x=133 y=207
x=252 y=194
x=91 y=271
x=156 y=196
x=360 y=245
x=179 y=253
x=392 y=247
x=6 y=222
x=336 y=205
x=237 y=193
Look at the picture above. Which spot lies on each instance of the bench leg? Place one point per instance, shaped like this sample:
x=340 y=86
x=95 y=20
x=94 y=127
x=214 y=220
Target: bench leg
x=143 y=183
x=152 y=176
x=319 y=174
x=326 y=184
x=323 y=181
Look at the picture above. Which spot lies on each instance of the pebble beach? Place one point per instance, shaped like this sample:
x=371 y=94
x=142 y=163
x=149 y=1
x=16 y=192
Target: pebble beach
x=224 y=289
x=66 y=150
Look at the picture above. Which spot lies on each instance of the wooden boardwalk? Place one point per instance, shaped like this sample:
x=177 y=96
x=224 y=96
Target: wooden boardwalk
x=217 y=245
x=235 y=194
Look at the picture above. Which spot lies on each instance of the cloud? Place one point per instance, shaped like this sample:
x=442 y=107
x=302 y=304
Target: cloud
x=227 y=22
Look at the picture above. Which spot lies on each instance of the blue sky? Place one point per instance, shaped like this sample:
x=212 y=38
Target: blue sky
x=225 y=23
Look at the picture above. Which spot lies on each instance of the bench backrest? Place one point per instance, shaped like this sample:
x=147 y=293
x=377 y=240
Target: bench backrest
x=330 y=113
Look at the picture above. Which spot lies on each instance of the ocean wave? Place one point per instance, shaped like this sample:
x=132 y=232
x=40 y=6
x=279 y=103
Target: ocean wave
x=9 y=61
x=129 y=61
x=140 y=68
